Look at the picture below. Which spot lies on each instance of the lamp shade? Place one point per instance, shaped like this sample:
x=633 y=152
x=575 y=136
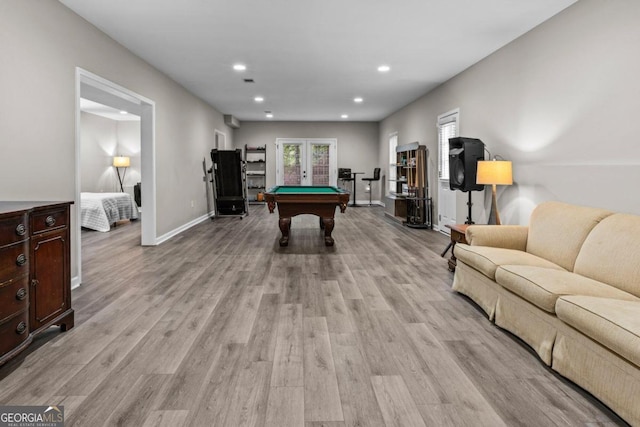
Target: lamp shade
x=121 y=161
x=496 y=172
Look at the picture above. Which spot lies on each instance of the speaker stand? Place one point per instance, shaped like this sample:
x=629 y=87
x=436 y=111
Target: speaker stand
x=469 y=204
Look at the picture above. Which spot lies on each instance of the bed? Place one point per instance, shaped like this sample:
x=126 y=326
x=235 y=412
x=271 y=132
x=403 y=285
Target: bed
x=100 y=210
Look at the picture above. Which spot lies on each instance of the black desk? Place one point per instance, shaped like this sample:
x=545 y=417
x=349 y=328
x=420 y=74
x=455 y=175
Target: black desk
x=355 y=182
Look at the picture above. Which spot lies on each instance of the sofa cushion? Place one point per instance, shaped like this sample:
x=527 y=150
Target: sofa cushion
x=557 y=231
x=486 y=259
x=611 y=253
x=613 y=323
x=543 y=286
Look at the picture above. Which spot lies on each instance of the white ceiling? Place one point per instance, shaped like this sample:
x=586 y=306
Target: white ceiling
x=310 y=58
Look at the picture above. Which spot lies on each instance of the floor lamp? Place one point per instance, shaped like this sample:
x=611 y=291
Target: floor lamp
x=121 y=162
x=494 y=172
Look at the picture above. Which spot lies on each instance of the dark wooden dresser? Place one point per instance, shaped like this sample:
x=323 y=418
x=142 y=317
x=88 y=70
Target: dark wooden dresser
x=35 y=272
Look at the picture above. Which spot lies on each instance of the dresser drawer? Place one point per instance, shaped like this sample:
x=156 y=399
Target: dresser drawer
x=14 y=297
x=51 y=219
x=14 y=261
x=13 y=332
x=13 y=229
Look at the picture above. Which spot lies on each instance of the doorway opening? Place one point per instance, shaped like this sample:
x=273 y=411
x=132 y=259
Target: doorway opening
x=97 y=89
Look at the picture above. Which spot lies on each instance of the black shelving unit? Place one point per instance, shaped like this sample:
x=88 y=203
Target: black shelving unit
x=256 y=161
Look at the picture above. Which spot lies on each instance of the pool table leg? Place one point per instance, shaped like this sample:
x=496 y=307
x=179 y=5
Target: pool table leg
x=328 y=228
x=285 y=226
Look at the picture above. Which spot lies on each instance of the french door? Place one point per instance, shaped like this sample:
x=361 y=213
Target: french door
x=306 y=161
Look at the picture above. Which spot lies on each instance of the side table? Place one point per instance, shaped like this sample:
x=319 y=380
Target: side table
x=457 y=236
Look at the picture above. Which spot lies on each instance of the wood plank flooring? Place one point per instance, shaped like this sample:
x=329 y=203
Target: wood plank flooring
x=221 y=327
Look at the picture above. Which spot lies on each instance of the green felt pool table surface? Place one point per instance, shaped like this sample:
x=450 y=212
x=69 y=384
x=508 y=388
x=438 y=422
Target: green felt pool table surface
x=315 y=189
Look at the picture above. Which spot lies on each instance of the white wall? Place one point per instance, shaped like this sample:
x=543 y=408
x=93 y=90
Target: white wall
x=129 y=145
x=100 y=139
x=357 y=144
x=42 y=44
x=561 y=102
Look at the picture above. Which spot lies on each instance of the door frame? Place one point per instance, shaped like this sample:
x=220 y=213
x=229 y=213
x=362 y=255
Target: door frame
x=220 y=136
x=90 y=85
x=306 y=143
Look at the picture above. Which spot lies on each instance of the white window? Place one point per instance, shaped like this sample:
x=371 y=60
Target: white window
x=447 y=128
x=393 y=143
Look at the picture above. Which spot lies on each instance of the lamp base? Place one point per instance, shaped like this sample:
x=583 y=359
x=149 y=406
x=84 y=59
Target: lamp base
x=121 y=178
x=494 y=216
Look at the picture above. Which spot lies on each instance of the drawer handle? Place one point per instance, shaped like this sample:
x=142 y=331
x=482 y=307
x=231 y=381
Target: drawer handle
x=21 y=328
x=21 y=294
x=50 y=221
x=21 y=260
x=21 y=230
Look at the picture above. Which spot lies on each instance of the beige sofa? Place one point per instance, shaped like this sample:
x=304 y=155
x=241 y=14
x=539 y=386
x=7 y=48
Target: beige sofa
x=569 y=286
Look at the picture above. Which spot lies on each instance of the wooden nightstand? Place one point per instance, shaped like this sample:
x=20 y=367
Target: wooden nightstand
x=457 y=236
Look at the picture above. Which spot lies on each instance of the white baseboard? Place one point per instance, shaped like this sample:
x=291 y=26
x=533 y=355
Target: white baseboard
x=176 y=231
x=75 y=282
x=366 y=202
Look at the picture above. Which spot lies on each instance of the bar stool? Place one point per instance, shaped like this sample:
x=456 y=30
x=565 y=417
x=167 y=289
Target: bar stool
x=376 y=177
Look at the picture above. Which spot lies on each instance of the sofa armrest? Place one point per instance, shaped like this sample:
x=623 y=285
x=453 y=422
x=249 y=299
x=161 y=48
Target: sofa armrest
x=498 y=236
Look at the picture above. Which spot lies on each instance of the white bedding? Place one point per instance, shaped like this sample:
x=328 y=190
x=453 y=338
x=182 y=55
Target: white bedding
x=100 y=210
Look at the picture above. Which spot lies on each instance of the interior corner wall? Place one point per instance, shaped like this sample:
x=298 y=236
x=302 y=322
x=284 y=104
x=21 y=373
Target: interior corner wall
x=98 y=142
x=357 y=144
x=130 y=144
x=561 y=102
x=42 y=44
x=100 y=139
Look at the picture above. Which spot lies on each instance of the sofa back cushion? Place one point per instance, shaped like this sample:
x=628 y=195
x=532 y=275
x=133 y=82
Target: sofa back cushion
x=558 y=230
x=611 y=253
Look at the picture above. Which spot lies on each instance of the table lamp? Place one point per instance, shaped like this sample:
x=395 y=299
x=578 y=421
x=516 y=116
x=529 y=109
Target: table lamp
x=121 y=162
x=494 y=172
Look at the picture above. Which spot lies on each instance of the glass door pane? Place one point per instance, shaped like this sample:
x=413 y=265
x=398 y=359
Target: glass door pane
x=292 y=157
x=319 y=164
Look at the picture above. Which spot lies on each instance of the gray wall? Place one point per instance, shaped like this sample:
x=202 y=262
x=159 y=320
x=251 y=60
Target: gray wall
x=357 y=144
x=100 y=139
x=42 y=44
x=561 y=102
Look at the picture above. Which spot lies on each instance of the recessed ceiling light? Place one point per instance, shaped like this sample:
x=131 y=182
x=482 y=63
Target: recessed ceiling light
x=239 y=67
x=269 y=115
x=384 y=68
x=345 y=116
x=258 y=99
x=124 y=112
x=358 y=100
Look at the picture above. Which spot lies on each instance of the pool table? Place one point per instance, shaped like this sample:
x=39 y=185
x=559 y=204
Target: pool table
x=320 y=200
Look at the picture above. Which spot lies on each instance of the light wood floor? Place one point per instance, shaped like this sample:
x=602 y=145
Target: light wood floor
x=220 y=326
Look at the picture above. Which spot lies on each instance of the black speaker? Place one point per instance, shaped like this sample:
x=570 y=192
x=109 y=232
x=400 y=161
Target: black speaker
x=464 y=154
